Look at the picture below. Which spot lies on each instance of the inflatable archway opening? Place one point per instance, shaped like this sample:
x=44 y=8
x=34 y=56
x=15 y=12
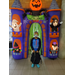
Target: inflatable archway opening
x=33 y=28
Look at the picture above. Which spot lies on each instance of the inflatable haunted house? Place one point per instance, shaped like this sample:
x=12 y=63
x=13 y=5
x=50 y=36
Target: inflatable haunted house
x=23 y=30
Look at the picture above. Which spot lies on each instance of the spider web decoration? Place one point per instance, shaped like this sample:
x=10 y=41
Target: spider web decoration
x=44 y=21
x=25 y=21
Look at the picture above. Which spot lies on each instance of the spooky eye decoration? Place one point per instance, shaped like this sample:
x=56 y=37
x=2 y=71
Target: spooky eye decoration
x=35 y=5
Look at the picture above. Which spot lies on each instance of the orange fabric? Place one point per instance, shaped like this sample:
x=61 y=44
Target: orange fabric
x=56 y=51
x=25 y=43
x=43 y=26
x=25 y=54
x=44 y=34
x=40 y=22
x=25 y=48
x=17 y=35
x=57 y=29
x=44 y=43
x=17 y=9
x=44 y=54
x=35 y=2
x=19 y=51
x=26 y=34
x=27 y=30
x=54 y=16
x=51 y=48
x=44 y=39
x=26 y=39
x=13 y=50
x=44 y=48
x=44 y=30
x=54 y=35
x=54 y=40
x=30 y=22
x=18 y=42
x=28 y=25
x=50 y=52
x=54 y=10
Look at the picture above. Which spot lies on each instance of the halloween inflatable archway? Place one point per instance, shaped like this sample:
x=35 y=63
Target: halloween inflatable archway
x=25 y=20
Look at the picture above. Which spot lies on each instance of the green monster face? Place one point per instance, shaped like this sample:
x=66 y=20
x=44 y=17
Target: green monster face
x=31 y=17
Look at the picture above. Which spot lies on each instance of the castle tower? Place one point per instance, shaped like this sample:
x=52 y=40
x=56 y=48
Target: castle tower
x=17 y=22
x=53 y=12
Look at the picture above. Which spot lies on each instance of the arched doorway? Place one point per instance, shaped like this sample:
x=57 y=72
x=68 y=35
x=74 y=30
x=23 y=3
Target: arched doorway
x=35 y=27
x=18 y=42
x=27 y=40
x=53 y=40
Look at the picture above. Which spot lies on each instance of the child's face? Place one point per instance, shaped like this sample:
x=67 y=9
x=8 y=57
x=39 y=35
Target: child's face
x=36 y=34
x=55 y=23
x=14 y=24
x=54 y=47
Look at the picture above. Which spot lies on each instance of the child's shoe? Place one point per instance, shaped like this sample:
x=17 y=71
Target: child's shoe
x=38 y=65
x=32 y=65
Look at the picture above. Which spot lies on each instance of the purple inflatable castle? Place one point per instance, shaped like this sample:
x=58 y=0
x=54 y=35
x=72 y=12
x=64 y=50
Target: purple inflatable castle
x=20 y=33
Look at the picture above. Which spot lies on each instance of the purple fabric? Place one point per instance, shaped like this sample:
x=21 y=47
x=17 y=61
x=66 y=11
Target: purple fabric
x=54 y=43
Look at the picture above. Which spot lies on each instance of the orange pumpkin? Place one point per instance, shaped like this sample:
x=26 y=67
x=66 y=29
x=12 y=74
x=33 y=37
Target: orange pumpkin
x=35 y=5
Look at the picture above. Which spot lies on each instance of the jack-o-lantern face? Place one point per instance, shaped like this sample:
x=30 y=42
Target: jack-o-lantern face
x=35 y=5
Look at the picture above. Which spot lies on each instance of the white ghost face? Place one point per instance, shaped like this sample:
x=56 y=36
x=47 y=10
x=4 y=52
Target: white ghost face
x=14 y=24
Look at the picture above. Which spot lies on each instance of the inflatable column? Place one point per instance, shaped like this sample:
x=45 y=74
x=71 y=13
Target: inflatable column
x=53 y=12
x=17 y=29
x=17 y=32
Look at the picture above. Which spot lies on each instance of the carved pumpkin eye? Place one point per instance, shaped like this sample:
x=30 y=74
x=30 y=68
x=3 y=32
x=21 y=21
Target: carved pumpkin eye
x=38 y=0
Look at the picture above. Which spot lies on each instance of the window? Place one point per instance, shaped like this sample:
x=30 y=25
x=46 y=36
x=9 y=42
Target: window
x=54 y=16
